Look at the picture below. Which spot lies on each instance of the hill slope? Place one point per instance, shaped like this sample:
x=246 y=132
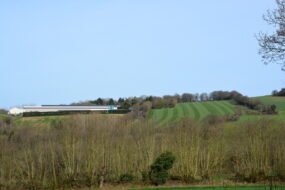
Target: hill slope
x=196 y=110
x=278 y=101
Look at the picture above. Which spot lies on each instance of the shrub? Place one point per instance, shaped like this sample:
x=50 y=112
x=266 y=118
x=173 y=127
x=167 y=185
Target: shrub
x=126 y=178
x=8 y=120
x=267 y=109
x=230 y=118
x=3 y=111
x=214 y=119
x=159 y=177
x=159 y=169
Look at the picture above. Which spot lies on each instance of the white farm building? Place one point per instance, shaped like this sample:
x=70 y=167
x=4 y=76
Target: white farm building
x=56 y=108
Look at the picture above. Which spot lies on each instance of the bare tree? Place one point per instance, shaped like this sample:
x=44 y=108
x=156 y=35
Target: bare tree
x=204 y=97
x=272 y=46
x=186 y=97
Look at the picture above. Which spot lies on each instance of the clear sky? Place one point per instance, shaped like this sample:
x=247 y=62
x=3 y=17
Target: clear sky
x=56 y=52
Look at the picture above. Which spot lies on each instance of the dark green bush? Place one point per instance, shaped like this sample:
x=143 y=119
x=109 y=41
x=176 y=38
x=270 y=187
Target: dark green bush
x=159 y=169
x=8 y=120
x=159 y=177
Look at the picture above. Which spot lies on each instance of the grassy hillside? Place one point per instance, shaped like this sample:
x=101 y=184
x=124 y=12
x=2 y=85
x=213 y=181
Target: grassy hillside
x=199 y=110
x=278 y=101
x=278 y=117
x=196 y=110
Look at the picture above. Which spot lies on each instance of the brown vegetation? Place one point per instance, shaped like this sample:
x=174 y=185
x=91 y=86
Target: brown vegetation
x=90 y=150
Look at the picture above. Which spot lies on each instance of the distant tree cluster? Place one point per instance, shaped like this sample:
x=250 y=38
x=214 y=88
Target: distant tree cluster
x=3 y=111
x=99 y=101
x=279 y=93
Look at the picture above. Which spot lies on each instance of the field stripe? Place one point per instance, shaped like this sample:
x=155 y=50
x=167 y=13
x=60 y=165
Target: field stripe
x=164 y=113
x=169 y=115
x=228 y=106
x=196 y=111
x=190 y=109
x=186 y=109
x=221 y=107
x=212 y=108
x=180 y=111
x=202 y=110
x=174 y=114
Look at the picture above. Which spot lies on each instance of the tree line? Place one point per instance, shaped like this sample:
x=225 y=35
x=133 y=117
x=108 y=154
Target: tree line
x=141 y=105
x=279 y=93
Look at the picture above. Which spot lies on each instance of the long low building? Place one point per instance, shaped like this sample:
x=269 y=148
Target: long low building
x=56 y=108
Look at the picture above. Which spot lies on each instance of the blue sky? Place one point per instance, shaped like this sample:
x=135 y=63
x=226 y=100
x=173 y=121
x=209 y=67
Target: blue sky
x=56 y=52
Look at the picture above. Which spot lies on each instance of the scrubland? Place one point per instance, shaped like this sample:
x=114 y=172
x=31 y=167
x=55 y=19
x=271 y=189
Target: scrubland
x=78 y=150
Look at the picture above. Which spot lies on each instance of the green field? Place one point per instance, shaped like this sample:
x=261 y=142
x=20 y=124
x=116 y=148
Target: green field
x=218 y=188
x=199 y=110
x=278 y=101
x=196 y=110
x=278 y=117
